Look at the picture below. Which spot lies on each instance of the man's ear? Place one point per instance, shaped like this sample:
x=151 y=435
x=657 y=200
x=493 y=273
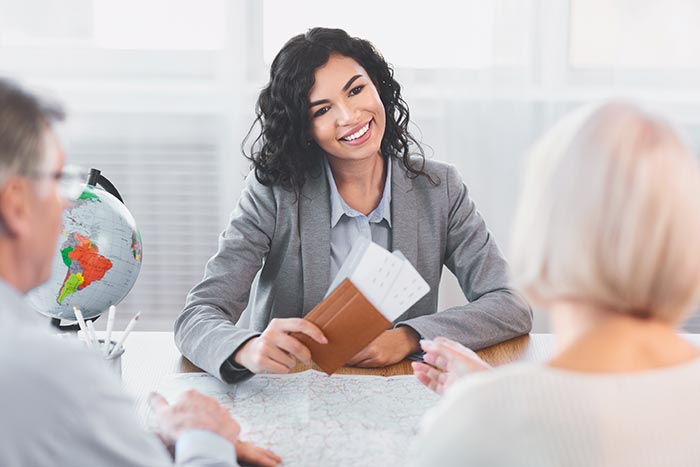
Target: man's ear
x=14 y=207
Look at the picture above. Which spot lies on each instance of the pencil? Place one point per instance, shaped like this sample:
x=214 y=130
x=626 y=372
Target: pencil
x=91 y=332
x=81 y=323
x=127 y=331
x=110 y=326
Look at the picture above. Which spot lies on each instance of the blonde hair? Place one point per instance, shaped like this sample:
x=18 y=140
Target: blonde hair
x=610 y=215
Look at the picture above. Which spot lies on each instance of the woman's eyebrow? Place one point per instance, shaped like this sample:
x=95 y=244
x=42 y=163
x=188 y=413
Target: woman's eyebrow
x=345 y=88
x=322 y=101
x=350 y=81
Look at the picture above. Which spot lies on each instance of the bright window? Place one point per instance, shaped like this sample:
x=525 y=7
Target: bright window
x=635 y=34
x=413 y=33
x=108 y=24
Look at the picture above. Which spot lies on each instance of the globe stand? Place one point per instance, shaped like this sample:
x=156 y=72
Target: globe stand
x=96 y=178
x=56 y=323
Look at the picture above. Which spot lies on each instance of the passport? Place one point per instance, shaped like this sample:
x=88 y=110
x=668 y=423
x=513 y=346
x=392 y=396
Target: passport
x=371 y=290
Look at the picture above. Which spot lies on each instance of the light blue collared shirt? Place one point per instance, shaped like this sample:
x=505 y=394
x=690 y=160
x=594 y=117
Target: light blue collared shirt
x=348 y=224
x=58 y=392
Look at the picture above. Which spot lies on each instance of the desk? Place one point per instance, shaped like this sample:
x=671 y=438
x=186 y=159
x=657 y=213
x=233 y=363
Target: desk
x=152 y=356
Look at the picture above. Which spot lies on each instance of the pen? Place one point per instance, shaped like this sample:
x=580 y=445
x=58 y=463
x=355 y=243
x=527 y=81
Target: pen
x=81 y=323
x=110 y=326
x=128 y=329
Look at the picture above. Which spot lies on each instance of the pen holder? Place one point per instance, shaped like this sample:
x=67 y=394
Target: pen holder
x=114 y=362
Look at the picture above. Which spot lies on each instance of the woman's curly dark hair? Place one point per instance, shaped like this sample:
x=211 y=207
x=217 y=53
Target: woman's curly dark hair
x=284 y=152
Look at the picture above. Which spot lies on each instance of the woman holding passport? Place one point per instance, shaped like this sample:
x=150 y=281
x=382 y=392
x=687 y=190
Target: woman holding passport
x=334 y=161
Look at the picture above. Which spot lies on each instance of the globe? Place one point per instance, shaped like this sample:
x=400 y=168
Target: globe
x=97 y=261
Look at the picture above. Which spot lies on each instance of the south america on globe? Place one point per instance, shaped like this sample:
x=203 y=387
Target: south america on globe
x=98 y=258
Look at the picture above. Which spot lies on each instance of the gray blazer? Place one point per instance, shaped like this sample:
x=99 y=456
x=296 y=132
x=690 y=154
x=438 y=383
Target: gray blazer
x=274 y=260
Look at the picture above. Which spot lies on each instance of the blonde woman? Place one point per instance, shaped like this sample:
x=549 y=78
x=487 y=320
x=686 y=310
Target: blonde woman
x=607 y=237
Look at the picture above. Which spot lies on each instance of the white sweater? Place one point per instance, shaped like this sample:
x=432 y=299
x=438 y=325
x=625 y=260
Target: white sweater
x=535 y=415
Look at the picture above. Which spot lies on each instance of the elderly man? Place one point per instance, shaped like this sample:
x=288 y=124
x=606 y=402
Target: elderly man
x=60 y=406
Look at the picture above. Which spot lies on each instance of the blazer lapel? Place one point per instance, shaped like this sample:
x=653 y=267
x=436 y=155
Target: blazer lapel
x=314 y=225
x=404 y=218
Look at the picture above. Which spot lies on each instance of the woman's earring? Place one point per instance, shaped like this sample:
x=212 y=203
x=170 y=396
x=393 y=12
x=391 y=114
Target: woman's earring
x=308 y=142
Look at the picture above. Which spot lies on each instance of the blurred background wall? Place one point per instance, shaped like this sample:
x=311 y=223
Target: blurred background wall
x=161 y=92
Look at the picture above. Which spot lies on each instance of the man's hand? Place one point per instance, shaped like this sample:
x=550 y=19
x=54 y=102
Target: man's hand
x=276 y=351
x=248 y=453
x=193 y=411
x=445 y=362
x=390 y=347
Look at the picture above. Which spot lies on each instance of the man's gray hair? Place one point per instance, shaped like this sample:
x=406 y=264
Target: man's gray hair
x=24 y=119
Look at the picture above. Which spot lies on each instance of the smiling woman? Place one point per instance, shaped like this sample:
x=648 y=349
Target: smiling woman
x=313 y=79
x=340 y=123
x=334 y=161
x=348 y=124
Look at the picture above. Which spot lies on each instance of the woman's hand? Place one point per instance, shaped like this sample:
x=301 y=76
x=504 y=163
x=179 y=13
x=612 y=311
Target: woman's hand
x=390 y=347
x=275 y=350
x=445 y=362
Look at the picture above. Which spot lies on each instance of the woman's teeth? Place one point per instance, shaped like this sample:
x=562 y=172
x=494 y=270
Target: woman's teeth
x=357 y=134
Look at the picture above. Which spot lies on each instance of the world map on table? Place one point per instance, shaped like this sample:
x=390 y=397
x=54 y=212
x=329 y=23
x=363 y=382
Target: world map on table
x=311 y=419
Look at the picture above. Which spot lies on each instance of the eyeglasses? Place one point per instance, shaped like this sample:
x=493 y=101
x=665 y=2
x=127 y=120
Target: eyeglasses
x=71 y=180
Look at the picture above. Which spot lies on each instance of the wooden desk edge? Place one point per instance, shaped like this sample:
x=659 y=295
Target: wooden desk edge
x=496 y=355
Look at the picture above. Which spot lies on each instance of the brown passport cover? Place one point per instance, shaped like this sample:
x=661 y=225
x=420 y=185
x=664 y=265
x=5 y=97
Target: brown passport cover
x=349 y=322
